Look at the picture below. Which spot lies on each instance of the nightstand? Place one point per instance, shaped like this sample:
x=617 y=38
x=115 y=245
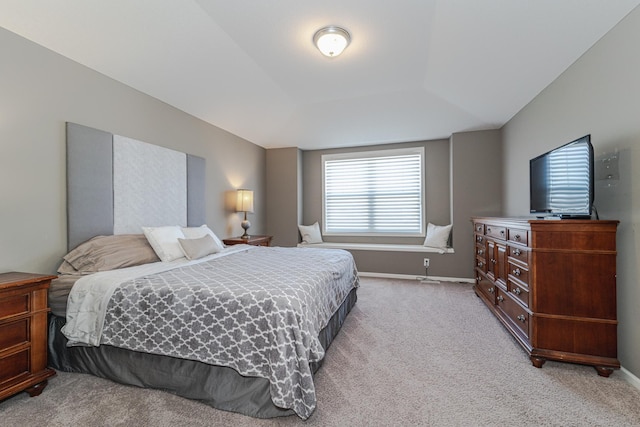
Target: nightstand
x=23 y=333
x=252 y=240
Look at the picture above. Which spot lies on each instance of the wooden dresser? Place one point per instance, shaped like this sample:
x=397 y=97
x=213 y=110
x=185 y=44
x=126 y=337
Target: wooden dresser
x=23 y=333
x=552 y=283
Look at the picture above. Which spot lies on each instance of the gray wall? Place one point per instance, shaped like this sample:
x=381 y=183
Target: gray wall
x=476 y=185
x=454 y=177
x=284 y=188
x=42 y=90
x=599 y=94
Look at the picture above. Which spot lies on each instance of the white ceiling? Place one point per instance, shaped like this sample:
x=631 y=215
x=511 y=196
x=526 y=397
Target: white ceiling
x=415 y=70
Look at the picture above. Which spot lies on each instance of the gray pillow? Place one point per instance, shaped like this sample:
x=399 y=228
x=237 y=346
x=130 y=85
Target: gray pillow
x=111 y=252
x=198 y=248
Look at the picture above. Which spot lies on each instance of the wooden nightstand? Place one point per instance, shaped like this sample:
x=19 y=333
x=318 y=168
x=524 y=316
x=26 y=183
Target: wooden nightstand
x=23 y=333
x=252 y=240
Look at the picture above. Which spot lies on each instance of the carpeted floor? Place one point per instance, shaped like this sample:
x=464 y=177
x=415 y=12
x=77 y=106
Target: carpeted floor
x=408 y=354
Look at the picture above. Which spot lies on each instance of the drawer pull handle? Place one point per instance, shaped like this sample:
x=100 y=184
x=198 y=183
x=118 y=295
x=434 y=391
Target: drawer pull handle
x=500 y=298
x=517 y=291
x=502 y=232
x=516 y=252
x=516 y=237
x=480 y=251
x=517 y=272
x=521 y=318
x=488 y=229
x=479 y=238
x=491 y=290
x=480 y=264
x=479 y=228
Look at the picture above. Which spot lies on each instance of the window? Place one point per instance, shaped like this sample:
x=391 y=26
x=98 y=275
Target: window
x=377 y=193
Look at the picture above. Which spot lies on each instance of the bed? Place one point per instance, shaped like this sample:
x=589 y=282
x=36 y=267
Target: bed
x=242 y=329
x=149 y=296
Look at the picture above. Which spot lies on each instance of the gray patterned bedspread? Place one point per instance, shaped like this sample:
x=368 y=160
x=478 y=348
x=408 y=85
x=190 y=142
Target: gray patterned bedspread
x=258 y=311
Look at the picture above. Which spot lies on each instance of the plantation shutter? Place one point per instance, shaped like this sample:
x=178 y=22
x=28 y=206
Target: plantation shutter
x=377 y=193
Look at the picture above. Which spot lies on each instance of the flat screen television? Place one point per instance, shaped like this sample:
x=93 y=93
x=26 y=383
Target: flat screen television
x=561 y=181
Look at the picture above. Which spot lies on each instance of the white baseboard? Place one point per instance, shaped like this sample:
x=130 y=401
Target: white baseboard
x=415 y=277
x=630 y=378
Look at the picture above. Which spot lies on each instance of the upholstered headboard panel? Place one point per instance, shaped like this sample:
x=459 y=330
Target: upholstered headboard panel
x=116 y=185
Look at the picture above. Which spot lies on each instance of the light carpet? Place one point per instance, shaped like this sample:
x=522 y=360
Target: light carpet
x=409 y=354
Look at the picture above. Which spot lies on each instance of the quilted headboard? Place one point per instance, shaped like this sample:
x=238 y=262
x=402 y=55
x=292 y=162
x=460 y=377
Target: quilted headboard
x=116 y=185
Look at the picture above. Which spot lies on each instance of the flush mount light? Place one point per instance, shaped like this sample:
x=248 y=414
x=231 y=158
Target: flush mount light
x=331 y=40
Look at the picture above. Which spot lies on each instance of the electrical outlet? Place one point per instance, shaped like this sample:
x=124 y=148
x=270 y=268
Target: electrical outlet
x=426 y=263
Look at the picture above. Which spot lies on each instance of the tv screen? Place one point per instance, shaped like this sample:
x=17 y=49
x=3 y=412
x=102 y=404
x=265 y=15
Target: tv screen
x=561 y=181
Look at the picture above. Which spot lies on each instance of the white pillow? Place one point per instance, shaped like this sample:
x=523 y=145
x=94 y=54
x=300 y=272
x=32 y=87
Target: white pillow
x=164 y=241
x=310 y=233
x=203 y=230
x=437 y=235
x=198 y=248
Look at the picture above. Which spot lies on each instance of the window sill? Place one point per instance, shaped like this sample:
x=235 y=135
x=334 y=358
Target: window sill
x=377 y=247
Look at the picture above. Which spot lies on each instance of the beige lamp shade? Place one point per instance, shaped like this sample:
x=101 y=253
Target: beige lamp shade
x=244 y=202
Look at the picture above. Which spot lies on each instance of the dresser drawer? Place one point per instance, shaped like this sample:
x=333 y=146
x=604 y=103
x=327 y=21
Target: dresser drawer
x=481 y=264
x=519 y=253
x=481 y=260
x=521 y=293
x=518 y=236
x=519 y=316
x=14 y=333
x=14 y=366
x=486 y=287
x=14 y=305
x=519 y=272
x=495 y=231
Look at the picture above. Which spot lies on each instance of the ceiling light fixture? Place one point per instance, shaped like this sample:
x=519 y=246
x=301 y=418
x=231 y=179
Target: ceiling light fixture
x=331 y=40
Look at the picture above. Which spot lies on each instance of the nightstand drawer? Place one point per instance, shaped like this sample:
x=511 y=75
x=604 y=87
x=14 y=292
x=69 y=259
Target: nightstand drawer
x=14 y=366
x=14 y=333
x=14 y=306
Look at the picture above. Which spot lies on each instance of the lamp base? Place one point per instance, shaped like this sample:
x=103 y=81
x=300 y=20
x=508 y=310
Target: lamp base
x=245 y=225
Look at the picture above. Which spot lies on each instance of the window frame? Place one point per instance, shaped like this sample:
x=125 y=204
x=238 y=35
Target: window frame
x=372 y=154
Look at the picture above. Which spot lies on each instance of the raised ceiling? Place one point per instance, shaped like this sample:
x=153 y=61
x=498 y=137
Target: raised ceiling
x=415 y=69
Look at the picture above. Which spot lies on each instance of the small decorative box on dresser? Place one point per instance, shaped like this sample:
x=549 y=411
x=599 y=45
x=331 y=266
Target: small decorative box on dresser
x=252 y=240
x=553 y=286
x=23 y=333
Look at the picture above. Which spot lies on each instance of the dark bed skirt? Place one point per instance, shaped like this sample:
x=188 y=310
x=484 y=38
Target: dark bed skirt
x=217 y=386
